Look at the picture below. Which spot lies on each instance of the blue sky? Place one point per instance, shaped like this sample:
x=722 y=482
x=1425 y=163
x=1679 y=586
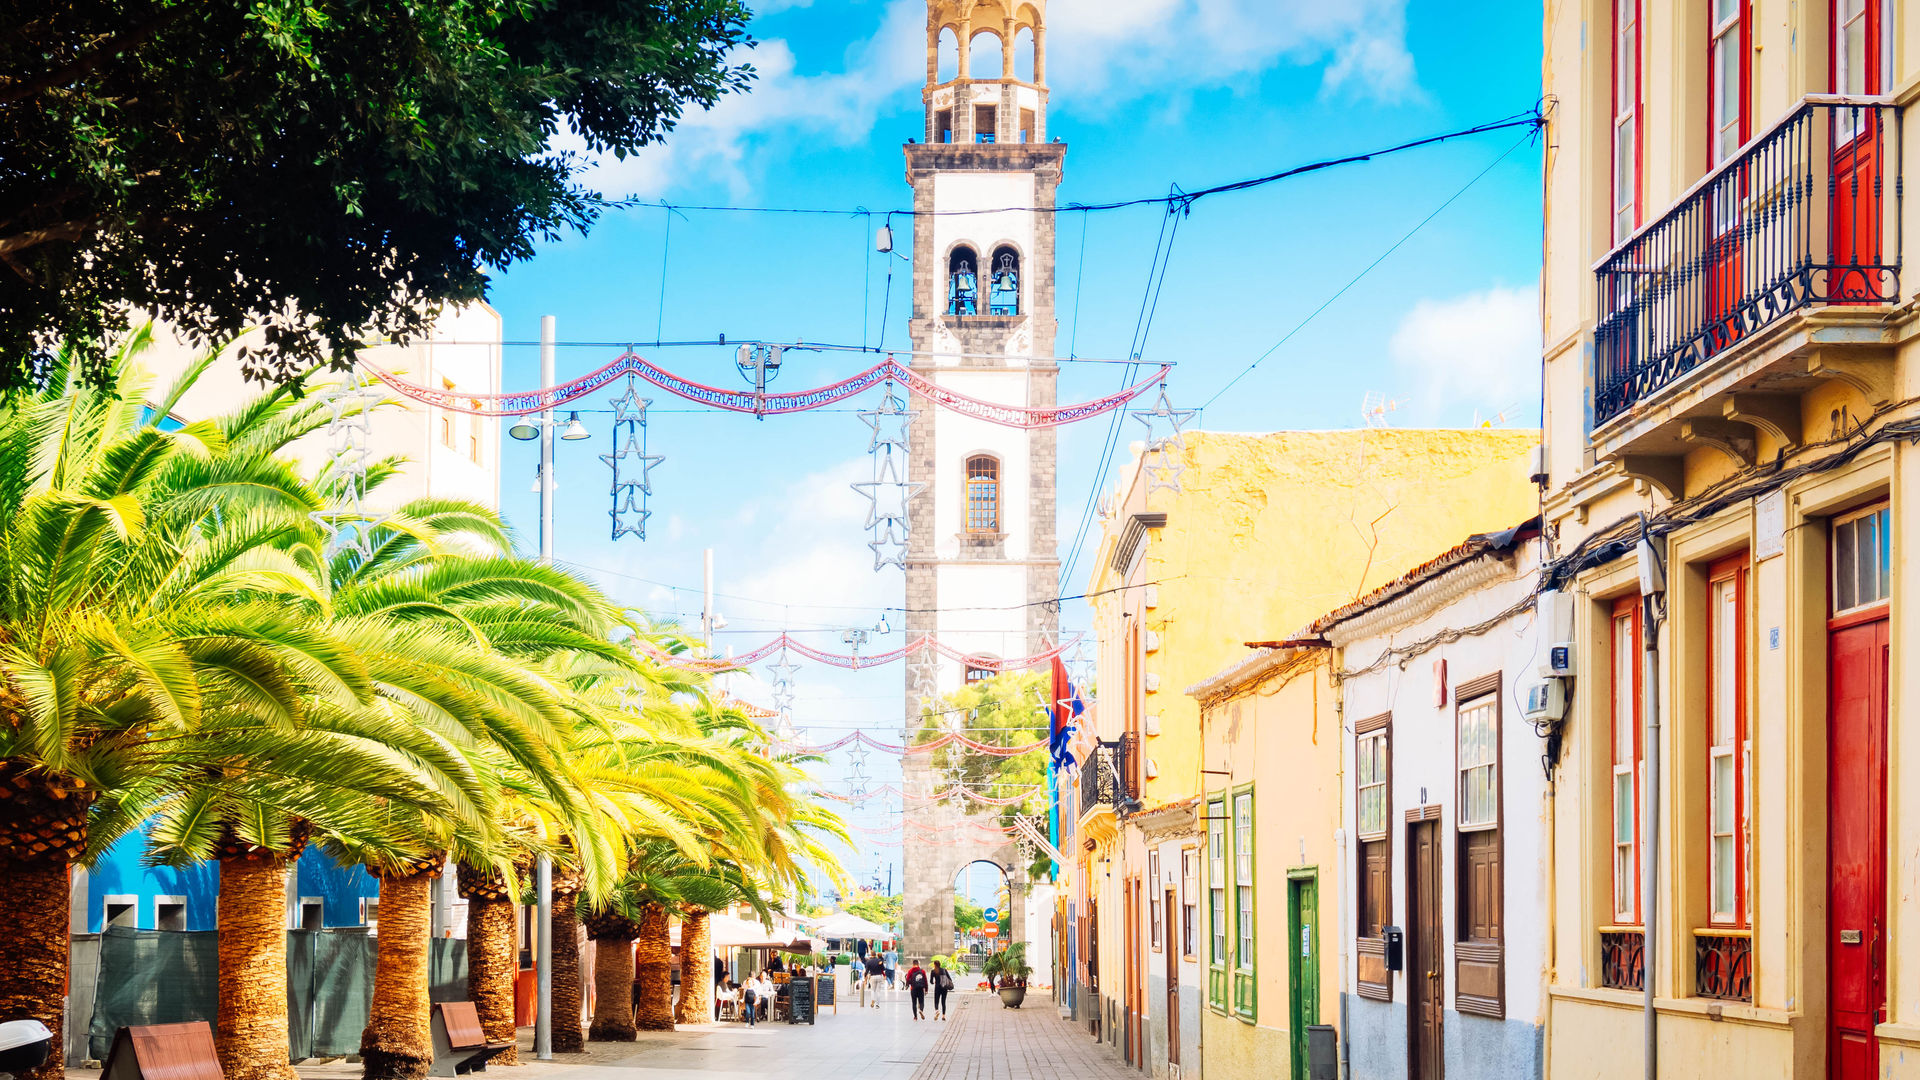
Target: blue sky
x=1145 y=93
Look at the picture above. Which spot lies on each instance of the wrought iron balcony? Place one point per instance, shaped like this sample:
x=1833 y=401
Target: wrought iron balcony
x=1800 y=216
x=1105 y=779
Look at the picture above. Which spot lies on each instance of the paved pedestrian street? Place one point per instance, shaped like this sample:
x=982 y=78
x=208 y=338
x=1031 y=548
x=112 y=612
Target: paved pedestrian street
x=983 y=1041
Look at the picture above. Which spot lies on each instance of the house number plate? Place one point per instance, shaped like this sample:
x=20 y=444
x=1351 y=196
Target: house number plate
x=1849 y=937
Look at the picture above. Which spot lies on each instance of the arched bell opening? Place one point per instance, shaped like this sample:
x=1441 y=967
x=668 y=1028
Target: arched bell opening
x=963 y=282
x=1003 y=282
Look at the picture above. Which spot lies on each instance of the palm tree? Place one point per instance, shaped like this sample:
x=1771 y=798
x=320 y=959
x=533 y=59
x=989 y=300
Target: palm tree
x=696 y=970
x=397 y=1041
x=493 y=949
x=653 y=970
x=612 y=931
x=569 y=1034
x=125 y=621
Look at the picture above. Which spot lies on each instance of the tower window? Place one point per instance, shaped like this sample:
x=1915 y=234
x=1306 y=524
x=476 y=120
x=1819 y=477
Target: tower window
x=983 y=123
x=1003 y=295
x=963 y=285
x=983 y=494
x=943 y=126
x=976 y=673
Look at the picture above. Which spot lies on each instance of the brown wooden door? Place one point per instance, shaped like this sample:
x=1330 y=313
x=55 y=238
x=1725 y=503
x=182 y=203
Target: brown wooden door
x=1130 y=993
x=1856 y=846
x=1426 y=960
x=1173 y=976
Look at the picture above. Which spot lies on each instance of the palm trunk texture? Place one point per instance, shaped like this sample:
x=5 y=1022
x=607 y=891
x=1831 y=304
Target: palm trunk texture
x=653 y=964
x=397 y=1044
x=612 y=990
x=493 y=959
x=33 y=951
x=569 y=1036
x=250 y=1029
x=43 y=831
x=696 y=970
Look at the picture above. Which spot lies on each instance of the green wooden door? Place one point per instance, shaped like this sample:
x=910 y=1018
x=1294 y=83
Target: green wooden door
x=1303 y=964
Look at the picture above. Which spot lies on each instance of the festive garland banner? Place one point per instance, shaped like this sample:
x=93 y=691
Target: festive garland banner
x=760 y=404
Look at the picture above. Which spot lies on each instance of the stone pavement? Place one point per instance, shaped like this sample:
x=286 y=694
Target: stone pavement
x=987 y=1042
x=981 y=1042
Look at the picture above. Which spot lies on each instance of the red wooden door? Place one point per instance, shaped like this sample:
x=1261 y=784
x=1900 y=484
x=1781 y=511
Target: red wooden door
x=1856 y=845
x=1426 y=963
x=1858 y=149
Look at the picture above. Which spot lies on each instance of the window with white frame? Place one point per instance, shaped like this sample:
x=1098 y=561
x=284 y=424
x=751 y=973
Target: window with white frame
x=1156 y=912
x=1217 y=902
x=1728 y=745
x=1626 y=118
x=1626 y=755
x=1862 y=559
x=1243 y=914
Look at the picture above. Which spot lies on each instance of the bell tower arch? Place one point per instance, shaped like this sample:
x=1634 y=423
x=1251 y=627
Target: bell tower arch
x=983 y=569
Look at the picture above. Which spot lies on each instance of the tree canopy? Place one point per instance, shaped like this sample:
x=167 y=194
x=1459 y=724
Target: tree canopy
x=330 y=171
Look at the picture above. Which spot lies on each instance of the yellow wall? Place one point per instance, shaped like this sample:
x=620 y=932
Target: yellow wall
x=1279 y=731
x=1267 y=533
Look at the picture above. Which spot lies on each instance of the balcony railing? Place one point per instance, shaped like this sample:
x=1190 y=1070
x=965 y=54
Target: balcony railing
x=1798 y=217
x=1104 y=779
x=1623 y=959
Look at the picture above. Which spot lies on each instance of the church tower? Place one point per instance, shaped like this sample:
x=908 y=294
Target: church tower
x=983 y=567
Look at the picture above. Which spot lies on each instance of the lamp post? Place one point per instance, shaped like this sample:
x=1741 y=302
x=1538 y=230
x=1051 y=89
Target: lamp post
x=1653 y=588
x=543 y=875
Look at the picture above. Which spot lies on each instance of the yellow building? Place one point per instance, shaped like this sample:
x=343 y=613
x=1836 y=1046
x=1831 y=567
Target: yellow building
x=1215 y=541
x=1730 y=383
x=1270 y=730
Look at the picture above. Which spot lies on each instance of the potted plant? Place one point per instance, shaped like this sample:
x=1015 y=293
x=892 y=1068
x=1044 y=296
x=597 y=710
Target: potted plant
x=1008 y=970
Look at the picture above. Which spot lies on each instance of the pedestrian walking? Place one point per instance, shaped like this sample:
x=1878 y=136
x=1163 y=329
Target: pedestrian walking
x=893 y=965
x=917 y=990
x=750 y=999
x=876 y=975
x=942 y=982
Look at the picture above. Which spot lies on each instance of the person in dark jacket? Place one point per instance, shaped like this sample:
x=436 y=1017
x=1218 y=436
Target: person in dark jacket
x=942 y=982
x=917 y=990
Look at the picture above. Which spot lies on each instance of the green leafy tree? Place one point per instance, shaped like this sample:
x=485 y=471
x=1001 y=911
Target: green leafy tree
x=1006 y=710
x=967 y=915
x=876 y=907
x=332 y=172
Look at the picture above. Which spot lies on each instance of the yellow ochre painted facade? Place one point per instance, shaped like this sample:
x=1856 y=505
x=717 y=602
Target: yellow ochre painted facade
x=1732 y=348
x=1264 y=533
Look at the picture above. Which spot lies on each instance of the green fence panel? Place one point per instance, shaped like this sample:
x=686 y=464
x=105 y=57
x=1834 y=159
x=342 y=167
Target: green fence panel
x=447 y=969
x=152 y=977
x=342 y=990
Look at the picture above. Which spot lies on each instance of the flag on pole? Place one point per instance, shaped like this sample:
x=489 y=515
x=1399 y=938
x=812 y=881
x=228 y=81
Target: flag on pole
x=1067 y=708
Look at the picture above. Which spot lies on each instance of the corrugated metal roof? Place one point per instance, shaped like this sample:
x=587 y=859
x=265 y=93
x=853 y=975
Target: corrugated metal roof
x=1468 y=550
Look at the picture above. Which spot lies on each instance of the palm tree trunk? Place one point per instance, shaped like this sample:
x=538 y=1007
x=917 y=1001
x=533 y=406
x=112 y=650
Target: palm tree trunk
x=396 y=1044
x=43 y=831
x=250 y=1028
x=493 y=959
x=653 y=963
x=34 y=894
x=696 y=970
x=568 y=1037
x=612 y=990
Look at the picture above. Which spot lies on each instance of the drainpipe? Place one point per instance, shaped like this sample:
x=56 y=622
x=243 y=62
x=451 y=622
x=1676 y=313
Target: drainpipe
x=1653 y=586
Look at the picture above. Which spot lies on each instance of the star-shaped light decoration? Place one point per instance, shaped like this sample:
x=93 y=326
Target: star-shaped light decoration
x=349 y=433
x=782 y=673
x=858 y=757
x=926 y=677
x=631 y=488
x=1162 y=464
x=889 y=493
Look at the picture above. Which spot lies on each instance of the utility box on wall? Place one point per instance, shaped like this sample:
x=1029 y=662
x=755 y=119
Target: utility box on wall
x=1323 y=1052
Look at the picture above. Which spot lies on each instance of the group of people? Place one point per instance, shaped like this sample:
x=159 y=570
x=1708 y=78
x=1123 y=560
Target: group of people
x=878 y=972
x=919 y=979
x=755 y=996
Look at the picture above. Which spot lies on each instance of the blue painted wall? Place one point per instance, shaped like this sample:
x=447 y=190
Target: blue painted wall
x=1473 y=1045
x=122 y=871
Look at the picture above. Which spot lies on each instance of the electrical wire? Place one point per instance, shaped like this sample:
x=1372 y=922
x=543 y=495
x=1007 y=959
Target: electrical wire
x=1355 y=280
x=1532 y=120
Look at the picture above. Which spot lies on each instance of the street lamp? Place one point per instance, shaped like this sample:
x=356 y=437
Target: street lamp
x=524 y=429
x=575 y=429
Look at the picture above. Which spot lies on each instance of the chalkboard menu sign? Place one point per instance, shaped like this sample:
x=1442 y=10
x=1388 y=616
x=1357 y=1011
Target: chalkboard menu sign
x=824 y=996
x=800 y=1001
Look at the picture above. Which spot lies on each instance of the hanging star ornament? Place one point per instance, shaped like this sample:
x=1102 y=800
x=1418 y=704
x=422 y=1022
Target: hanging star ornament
x=1161 y=462
x=630 y=487
x=889 y=493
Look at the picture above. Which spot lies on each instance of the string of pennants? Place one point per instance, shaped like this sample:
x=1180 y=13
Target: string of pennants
x=762 y=403
x=948 y=793
x=847 y=661
x=951 y=738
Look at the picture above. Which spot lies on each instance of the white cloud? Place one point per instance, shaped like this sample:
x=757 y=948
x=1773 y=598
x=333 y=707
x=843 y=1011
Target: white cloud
x=815 y=551
x=1480 y=350
x=1100 y=53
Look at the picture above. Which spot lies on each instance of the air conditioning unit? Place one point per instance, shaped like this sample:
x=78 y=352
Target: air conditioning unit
x=1556 y=622
x=1546 y=700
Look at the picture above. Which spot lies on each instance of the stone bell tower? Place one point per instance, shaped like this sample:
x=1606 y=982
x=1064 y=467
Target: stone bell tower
x=983 y=567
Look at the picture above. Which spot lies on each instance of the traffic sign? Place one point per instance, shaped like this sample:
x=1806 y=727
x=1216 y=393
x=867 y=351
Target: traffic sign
x=991 y=915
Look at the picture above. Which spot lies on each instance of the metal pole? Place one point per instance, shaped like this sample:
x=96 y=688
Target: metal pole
x=706 y=604
x=1650 y=841
x=543 y=875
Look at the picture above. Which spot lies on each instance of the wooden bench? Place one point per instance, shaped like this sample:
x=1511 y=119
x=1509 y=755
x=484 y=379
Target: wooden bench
x=164 y=1052
x=459 y=1046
